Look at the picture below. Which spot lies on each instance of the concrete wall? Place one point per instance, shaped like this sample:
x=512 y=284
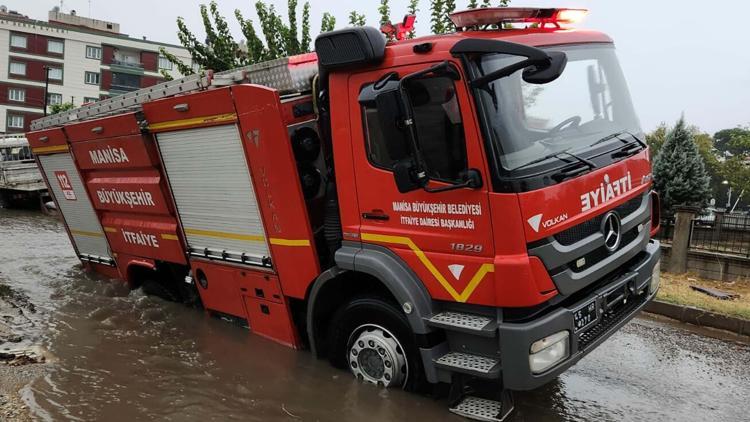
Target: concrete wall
x=712 y=265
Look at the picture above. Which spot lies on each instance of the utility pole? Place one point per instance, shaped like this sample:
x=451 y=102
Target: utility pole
x=46 y=87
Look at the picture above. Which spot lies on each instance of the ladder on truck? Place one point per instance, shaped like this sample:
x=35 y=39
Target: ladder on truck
x=288 y=75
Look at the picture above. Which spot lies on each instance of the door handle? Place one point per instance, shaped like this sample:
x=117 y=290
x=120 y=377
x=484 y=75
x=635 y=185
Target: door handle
x=376 y=215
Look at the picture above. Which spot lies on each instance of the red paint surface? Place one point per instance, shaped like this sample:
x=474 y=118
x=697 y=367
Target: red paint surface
x=35 y=70
x=201 y=104
x=272 y=164
x=120 y=125
x=144 y=236
x=150 y=61
x=36 y=44
x=34 y=95
x=222 y=293
x=133 y=151
x=132 y=192
x=46 y=138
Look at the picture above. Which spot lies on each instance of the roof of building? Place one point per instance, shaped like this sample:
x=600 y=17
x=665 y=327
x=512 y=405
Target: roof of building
x=85 y=30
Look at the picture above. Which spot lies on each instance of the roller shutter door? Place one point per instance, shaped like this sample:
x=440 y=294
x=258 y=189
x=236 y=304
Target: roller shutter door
x=215 y=199
x=76 y=208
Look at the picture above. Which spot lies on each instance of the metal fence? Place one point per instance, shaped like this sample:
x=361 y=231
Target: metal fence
x=727 y=234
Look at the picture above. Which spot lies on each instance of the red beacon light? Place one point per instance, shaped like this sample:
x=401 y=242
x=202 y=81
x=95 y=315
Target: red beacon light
x=399 y=31
x=483 y=17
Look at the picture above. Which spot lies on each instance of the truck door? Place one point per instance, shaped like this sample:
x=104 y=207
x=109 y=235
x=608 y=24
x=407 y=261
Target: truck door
x=445 y=238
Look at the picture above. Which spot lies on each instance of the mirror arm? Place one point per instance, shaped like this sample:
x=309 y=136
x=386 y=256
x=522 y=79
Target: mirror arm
x=508 y=70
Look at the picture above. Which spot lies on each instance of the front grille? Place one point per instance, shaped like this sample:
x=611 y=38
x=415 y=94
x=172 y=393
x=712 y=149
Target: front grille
x=601 y=253
x=608 y=320
x=594 y=225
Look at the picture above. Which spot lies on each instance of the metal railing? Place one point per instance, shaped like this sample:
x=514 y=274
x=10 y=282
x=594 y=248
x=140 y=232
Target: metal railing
x=726 y=234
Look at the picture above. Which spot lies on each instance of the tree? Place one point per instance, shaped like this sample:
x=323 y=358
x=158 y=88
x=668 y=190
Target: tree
x=436 y=16
x=221 y=52
x=734 y=140
x=679 y=171
x=655 y=139
x=356 y=19
x=328 y=22
x=385 y=12
x=59 y=108
x=412 y=10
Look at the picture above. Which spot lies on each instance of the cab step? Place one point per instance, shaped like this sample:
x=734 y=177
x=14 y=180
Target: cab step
x=479 y=366
x=467 y=323
x=480 y=409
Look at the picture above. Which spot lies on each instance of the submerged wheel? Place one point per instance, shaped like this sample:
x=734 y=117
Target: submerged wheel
x=372 y=338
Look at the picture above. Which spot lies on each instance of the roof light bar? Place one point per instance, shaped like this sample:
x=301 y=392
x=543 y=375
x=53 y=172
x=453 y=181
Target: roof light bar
x=474 y=18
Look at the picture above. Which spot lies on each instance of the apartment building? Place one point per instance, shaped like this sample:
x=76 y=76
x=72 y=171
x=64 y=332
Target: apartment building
x=81 y=59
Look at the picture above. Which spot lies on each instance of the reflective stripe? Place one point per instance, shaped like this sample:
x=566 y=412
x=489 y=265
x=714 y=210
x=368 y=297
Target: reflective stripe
x=54 y=148
x=195 y=121
x=85 y=233
x=457 y=296
x=110 y=230
x=166 y=236
x=224 y=235
x=289 y=242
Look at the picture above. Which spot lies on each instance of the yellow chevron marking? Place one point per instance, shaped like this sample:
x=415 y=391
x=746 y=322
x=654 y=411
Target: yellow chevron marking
x=85 y=233
x=225 y=235
x=289 y=242
x=53 y=148
x=175 y=124
x=457 y=296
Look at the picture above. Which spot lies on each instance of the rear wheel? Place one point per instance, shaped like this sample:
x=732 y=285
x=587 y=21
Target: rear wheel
x=372 y=338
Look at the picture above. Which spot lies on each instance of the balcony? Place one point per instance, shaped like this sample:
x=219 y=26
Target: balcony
x=127 y=64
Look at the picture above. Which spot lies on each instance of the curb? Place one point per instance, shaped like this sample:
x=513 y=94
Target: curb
x=699 y=317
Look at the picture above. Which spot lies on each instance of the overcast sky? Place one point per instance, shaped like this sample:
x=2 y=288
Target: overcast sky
x=678 y=56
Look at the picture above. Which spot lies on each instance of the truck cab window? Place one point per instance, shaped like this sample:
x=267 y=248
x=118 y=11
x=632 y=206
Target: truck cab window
x=439 y=126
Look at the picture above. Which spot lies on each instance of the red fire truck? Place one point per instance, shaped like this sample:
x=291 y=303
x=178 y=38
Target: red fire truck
x=473 y=210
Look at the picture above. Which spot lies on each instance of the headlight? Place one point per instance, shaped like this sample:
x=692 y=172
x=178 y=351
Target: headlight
x=548 y=352
x=655 y=278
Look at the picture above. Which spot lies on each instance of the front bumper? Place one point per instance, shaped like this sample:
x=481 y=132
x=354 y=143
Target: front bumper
x=516 y=339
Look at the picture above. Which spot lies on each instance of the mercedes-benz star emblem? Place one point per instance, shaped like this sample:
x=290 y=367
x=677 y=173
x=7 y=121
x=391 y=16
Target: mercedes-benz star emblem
x=611 y=230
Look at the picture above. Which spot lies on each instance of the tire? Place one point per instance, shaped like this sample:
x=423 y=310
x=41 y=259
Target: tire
x=152 y=287
x=368 y=325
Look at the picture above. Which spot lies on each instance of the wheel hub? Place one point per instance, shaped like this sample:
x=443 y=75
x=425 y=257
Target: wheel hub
x=375 y=356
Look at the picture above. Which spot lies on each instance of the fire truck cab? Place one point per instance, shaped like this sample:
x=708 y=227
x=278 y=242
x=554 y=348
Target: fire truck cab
x=473 y=209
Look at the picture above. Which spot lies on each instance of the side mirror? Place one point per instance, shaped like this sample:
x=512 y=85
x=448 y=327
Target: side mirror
x=390 y=114
x=406 y=177
x=549 y=72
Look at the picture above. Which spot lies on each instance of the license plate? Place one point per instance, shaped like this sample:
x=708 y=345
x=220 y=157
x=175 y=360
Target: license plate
x=585 y=315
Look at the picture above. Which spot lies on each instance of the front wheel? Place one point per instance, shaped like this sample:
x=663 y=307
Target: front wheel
x=372 y=338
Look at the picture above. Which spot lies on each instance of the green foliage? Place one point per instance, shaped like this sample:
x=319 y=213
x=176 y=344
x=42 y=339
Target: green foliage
x=679 y=170
x=472 y=4
x=735 y=140
x=436 y=16
x=328 y=23
x=655 y=139
x=59 y=108
x=449 y=6
x=356 y=19
x=412 y=10
x=221 y=52
x=385 y=12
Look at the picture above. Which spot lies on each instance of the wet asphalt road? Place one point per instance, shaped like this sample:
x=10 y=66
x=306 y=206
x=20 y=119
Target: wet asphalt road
x=118 y=355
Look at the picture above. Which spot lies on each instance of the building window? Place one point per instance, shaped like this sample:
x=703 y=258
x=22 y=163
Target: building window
x=55 y=73
x=164 y=63
x=18 y=41
x=55 y=46
x=15 y=121
x=92 y=78
x=18 y=68
x=87 y=100
x=54 y=99
x=93 y=52
x=17 y=94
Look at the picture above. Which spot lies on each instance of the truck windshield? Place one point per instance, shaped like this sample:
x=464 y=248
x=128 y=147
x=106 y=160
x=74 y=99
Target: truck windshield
x=587 y=103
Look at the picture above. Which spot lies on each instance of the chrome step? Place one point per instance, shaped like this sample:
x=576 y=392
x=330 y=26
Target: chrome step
x=482 y=409
x=480 y=366
x=469 y=323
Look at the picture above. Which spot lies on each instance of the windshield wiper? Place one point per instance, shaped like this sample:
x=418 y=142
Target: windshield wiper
x=557 y=155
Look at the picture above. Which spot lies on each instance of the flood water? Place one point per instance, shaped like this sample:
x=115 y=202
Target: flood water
x=119 y=355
